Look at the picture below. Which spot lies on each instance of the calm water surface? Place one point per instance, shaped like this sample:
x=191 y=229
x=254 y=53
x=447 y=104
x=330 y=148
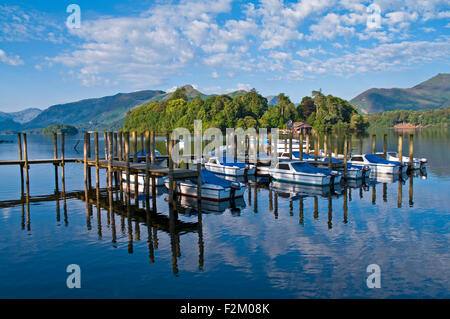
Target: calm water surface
x=277 y=242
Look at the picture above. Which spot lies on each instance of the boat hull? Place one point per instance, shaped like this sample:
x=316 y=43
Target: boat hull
x=300 y=178
x=230 y=171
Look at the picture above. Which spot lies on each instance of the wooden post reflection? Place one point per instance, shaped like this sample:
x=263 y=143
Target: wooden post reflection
x=270 y=200
x=384 y=192
x=399 y=198
x=301 y=219
x=63 y=177
x=330 y=212
x=275 y=212
x=374 y=194
x=411 y=191
x=291 y=208
x=201 y=247
x=316 y=207
x=255 y=201
x=345 y=204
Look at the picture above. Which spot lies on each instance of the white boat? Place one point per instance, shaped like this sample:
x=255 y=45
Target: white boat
x=377 y=164
x=304 y=173
x=141 y=179
x=353 y=172
x=229 y=166
x=213 y=187
x=418 y=163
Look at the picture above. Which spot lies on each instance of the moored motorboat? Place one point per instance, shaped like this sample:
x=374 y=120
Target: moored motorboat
x=229 y=166
x=304 y=173
x=418 y=163
x=212 y=187
x=376 y=164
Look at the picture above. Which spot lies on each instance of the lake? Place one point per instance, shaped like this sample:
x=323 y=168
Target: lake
x=278 y=241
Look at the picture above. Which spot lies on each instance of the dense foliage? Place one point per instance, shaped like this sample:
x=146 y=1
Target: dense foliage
x=244 y=110
x=436 y=117
x=60 y=128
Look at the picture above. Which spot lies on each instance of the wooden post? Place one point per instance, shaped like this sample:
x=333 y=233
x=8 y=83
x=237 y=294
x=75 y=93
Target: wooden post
x=400 y=147
x=63 y=179
x=384 y=145
x=345 y=155
x=171 y=181
x=147 y=167
x=325 y=145
x=135 y=160
x=120 y=146
x=19 y=143
x=27 y=173
x=105 y=136
x=115 y=153
x=152 y=147
x=97 y=166
x=89 y=156
x=411 y=151
x=300 y=141
x=85 y=160
x=167 y=148
x=55 y=156
x=199 y=184
x=110 y=159
x=374 y=143
x=290 y=146
x=307 y=143
x=285 y=142
x=127 y=165
x=330 y=162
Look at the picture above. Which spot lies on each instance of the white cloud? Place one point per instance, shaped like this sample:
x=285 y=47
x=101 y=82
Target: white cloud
x=330 y=27
x=215 y=75
x=10 y=60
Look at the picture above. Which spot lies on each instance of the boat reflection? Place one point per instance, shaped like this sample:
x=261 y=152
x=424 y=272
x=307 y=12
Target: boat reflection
x=292 y=190
x=188 y=206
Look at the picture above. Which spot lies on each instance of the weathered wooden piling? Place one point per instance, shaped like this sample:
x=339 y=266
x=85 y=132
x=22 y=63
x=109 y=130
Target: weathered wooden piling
x=316 y=147
x=19 y=143
x=152 y=159
x=127 y=166
x=384 y=145
x=110 y=160
x=120 y=149
x=411 y=151
x=350 y=146
x=290 y=146
x=400 y=147
x=336 y=151
x=27 y=173
x=345 y=155
x=374 y=141
x=55 y=156
x=330 y=159
x=300 y=150
x=325 y=144
x=63 y=178
x=307 y=143
x=147 y=168
x=360 y=145
x=97 y=166
x=89 y=175
x=171 y=181
x=85 y=160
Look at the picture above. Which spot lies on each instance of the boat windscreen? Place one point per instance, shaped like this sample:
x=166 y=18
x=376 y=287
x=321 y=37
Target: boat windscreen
x=210 y=178
x=378 y=160
x=228 y=161
x=308 y=168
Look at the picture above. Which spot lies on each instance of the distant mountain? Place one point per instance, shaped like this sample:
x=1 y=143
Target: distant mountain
x=103 y=113
x=431 y=94
x=99 y=113
x=21 y=116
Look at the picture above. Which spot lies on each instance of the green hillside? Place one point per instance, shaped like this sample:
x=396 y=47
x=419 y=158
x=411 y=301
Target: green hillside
x=98 y=113
x=431 y=94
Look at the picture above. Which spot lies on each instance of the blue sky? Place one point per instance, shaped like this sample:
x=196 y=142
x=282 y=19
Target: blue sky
x=218 y=46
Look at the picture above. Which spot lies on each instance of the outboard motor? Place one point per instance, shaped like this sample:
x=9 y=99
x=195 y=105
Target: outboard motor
x=234 y=186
